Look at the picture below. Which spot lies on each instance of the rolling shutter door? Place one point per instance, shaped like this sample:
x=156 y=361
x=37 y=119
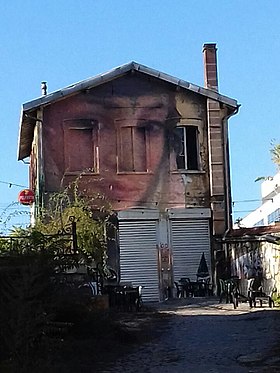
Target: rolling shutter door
x=190 y=238
x=139 y=257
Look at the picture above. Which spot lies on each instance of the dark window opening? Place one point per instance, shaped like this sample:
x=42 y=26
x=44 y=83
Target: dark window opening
x=187 y=145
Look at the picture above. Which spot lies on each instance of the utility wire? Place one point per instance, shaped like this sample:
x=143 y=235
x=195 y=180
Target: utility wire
x=247 y=200
x=12 y=184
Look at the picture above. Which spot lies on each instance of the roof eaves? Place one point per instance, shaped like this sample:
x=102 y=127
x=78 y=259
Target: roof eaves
x=79 y=86
x=25 y=136
x=187 y=85
x=118 y=71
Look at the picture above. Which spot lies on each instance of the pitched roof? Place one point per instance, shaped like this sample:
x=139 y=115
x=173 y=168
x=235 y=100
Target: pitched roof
x=27 y=122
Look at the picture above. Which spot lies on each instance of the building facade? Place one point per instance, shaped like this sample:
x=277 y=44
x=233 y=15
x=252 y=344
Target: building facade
x=269 y=211
x=156 y=147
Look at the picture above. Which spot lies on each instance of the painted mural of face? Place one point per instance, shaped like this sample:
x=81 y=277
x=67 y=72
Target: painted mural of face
x=136 y=151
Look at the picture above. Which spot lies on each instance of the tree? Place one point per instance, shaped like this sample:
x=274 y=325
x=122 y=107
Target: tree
x=275 y=154
x=31 y=291
x=92 y=216
x=275 y=157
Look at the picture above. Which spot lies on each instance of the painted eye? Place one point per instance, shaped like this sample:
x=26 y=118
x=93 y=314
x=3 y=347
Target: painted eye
x=152 y=126
x=155 y=126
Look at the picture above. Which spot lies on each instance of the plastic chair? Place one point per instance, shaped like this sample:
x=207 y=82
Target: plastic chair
x=261 y=290
x=179 y=290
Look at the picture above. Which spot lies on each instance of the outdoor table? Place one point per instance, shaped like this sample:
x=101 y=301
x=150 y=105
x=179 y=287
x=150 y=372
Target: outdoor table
x=123 y=297
x=185 y=287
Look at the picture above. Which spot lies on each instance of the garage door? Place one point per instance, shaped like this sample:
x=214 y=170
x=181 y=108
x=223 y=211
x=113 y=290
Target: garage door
x=190 y=238
x=139 y=256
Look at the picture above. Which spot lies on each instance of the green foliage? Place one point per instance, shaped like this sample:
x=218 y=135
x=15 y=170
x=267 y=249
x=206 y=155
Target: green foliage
x=91 y=215
x=275 y=154
x=32 y=262
x=275 y=157
x=7 y=217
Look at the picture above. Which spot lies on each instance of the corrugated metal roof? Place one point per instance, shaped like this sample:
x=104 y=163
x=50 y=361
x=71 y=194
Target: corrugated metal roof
x=269 y=233
x=255 y=231
x=23 y=144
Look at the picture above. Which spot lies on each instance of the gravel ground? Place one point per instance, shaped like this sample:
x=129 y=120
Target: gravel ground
x=202 y=336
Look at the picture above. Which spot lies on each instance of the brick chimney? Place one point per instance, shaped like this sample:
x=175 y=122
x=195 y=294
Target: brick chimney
x=210 y=66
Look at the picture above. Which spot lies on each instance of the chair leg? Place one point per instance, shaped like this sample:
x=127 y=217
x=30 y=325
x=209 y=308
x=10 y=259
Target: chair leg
x=235 y=300
x=250 y=302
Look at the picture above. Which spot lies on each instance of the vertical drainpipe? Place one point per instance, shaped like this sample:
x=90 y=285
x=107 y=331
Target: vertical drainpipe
x=228 y=196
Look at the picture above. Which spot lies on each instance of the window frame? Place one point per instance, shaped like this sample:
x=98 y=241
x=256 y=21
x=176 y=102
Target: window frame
x=274 y=216
x=134 y=127
x=80 y=124
x=186 y=150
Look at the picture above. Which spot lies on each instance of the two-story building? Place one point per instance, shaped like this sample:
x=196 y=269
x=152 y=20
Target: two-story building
x=156 y=147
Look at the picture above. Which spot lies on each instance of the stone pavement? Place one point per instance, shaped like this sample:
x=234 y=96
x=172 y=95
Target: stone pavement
x=203 y=336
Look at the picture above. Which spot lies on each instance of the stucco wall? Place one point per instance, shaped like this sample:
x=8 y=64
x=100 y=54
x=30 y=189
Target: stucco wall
x=250 y=259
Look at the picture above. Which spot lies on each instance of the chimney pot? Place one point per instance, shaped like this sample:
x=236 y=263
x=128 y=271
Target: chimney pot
x=44 y=88
x=210 y=66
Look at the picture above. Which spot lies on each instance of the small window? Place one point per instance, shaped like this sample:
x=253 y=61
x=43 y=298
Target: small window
x=187 y=147
x=80 y=145
x=274 y=216
x=259 y=223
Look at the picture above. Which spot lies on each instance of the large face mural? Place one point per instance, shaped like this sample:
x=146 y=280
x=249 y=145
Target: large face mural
x=125 y=140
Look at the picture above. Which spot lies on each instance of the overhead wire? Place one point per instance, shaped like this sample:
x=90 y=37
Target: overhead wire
x=12 y=184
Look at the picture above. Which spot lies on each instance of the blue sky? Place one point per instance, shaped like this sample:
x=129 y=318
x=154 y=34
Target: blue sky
x=63 y=42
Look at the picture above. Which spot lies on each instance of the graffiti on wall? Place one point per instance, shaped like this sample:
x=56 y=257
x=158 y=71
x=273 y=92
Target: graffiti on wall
x=246 y=260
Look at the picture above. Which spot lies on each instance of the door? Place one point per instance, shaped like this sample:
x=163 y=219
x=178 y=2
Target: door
x=190 y=238
x=139 y=256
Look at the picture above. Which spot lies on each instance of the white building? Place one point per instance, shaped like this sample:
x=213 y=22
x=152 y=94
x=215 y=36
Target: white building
x=269 y=212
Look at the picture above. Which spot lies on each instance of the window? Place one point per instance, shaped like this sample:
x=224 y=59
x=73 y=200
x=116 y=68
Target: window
x=274 y=216
x=132 y=149
x=259 y=223
x=140 y=146
x=187 y=147
x=80 y=145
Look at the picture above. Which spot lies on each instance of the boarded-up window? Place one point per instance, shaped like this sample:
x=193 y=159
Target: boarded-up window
x=80 y=145
x=187 y=141
x=132 y=149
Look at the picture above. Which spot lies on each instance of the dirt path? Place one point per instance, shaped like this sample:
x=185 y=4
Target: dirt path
x=202 y=336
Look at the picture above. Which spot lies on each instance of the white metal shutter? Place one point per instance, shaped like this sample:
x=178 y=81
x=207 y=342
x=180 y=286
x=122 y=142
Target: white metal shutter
x=139 y=256
x=190 y=238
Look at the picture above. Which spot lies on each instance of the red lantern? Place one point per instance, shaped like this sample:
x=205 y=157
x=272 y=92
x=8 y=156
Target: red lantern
x=26 y=197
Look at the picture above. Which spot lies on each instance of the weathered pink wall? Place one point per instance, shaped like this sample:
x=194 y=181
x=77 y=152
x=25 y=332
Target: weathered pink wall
x=130 y=101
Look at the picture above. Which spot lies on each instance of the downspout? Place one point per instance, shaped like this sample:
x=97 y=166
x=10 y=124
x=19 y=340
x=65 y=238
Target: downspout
x=227 y=186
